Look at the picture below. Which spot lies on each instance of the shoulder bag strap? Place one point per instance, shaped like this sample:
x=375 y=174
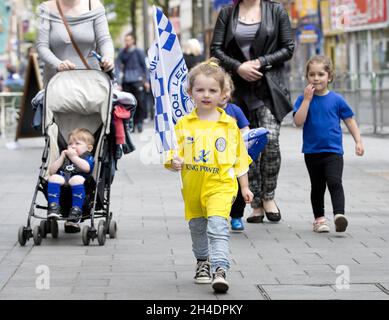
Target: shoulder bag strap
x=71 y=36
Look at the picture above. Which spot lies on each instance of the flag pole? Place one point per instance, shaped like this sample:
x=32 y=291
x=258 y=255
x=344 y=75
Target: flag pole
x=172 y=139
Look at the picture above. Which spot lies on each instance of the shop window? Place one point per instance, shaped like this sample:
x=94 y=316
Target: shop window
x=381 y=55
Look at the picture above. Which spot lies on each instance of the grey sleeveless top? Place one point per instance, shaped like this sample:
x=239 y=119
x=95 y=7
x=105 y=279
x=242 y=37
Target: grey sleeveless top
x=90 y=32
x=244 y=36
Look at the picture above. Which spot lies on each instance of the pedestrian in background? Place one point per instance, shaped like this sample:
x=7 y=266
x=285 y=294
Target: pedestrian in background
x=253 y=39
x=13 y=82
x=209 y=165
x=132 y=63
x=320 y=111
x=192 y=53
x=89 y=27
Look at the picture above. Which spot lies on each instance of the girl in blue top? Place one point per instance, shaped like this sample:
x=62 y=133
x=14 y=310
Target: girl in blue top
x=237 y=209
x=320 y=111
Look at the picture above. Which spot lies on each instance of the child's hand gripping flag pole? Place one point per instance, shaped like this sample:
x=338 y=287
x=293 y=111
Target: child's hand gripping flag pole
x=168 y=76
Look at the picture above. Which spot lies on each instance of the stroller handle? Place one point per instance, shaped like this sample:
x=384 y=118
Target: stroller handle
x=99 y=58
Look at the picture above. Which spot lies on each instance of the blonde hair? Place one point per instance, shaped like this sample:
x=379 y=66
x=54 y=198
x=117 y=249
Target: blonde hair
x=209 y=68
x=327 y=63
x=229 y=83
x=192 y=46
x=82 y=134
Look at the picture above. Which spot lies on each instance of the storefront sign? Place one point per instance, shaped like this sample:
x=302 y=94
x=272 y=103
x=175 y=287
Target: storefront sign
x=353 y=15
x=308 y=34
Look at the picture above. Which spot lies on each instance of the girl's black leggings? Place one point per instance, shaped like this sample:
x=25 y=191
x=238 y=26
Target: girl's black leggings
x=325 y=169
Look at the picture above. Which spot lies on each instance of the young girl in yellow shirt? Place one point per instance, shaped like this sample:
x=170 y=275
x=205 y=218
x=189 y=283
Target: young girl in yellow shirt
x=211 y=154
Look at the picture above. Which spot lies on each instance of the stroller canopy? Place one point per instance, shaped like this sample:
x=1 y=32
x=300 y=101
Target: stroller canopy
x=78 y=99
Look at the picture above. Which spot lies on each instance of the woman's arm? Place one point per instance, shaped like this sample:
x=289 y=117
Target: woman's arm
x=217 y=44
x=286 y=43
x=42 y=43
x=103 y=37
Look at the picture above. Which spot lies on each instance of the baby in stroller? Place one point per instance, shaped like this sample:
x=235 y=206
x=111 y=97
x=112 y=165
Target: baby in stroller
x=73 y=166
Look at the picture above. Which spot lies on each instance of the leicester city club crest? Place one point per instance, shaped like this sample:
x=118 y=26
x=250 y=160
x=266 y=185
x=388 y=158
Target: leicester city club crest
x=177 y=88
x=220 y=144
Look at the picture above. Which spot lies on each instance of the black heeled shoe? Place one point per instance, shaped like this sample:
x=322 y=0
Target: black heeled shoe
x=255 y=218
x=273 y=216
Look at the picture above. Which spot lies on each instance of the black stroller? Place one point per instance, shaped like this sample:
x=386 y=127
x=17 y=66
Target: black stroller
x=75 y=99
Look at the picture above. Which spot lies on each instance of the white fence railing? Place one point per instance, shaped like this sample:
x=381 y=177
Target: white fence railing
x=9 y=108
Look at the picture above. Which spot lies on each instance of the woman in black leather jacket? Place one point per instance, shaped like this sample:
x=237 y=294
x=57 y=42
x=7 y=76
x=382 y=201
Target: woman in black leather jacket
x=253 y=39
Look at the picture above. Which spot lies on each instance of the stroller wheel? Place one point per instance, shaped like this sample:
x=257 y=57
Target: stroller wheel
x=37 y=235
x=22 y=236
x=85 y=235
x=112 y=229
x=54 y=228
x=102 y=223
x=101 y=234
x=44 y=226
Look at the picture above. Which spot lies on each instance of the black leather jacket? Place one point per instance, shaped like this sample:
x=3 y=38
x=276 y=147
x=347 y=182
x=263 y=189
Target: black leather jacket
x=273 y=45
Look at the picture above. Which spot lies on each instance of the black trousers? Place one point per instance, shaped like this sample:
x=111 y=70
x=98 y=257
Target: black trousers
x=137 y=89
x=237 y=209
x=325 y=170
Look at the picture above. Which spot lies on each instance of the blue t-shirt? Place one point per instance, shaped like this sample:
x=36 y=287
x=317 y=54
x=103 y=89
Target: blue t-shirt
x=68 y=169
x=234 y=111
x=322 y=131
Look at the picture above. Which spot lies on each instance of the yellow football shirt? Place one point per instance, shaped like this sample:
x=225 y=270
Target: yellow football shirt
x=214 y=155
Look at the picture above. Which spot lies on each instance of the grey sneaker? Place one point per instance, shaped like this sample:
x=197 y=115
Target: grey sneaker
x=340 y=223
x=219 y=283
x=53 y=211
x=75 y=214
x=203 y=272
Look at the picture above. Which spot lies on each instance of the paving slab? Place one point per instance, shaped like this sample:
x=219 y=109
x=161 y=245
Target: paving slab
x=152 y=257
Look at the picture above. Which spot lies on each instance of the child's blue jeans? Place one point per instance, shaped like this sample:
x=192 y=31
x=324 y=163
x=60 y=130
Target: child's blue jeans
x=210 y=238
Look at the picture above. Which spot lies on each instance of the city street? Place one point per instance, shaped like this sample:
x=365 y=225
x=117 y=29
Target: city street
x=152 y=258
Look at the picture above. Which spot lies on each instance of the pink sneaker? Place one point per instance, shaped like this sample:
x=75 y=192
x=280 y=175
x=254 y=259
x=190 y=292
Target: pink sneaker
x=320 y=225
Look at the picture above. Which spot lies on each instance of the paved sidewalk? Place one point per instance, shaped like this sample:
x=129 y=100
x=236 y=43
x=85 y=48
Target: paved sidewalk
x=152 y=258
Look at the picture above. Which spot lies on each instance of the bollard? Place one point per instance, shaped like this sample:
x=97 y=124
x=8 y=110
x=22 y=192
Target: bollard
x=373 y=83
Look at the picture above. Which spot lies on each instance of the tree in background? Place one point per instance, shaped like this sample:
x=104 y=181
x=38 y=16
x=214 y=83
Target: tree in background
x=124 y=12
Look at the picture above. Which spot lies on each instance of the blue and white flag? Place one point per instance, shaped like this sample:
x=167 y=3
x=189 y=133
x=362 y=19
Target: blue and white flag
x=255 y=141
x=168 y=76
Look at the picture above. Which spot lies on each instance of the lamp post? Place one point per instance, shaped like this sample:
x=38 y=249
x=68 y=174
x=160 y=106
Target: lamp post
x=146 y=24
x=206 y=5
x=206 y=13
